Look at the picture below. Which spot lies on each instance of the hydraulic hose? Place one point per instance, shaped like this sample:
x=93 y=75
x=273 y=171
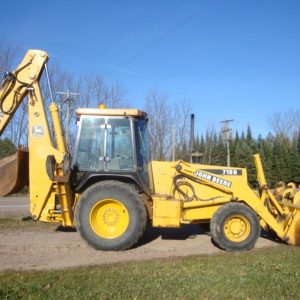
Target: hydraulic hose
x=179 y=181
x=8 y=84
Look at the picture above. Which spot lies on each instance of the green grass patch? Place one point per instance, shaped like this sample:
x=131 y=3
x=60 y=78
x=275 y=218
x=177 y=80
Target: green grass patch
x=259 y=274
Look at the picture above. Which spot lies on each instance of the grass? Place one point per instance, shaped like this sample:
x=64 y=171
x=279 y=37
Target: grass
x=259 y=274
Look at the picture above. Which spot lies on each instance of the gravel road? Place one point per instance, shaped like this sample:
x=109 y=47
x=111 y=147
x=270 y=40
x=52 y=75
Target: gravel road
x=37 y=247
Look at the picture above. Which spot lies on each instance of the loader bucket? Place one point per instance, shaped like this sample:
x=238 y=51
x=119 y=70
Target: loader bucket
x=14 y=173
x=293 y=233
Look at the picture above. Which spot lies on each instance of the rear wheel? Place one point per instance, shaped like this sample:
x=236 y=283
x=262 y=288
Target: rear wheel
x=235 y=227
x=110 y=215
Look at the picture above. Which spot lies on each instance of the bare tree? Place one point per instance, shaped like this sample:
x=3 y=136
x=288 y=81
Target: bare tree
x=209 y=145
x=285 y=124
x=17 y=130
x=8 y=57
x=94 y=91
x=164 y=117
x=182 y=111
x=92 y=88
x=115 y=95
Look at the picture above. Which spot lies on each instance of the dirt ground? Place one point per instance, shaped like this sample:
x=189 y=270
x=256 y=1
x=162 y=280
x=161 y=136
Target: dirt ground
x=38 y=246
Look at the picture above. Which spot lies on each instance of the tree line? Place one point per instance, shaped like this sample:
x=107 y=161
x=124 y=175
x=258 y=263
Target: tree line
x=280 y=153
x=169 y=124
x=93 y=90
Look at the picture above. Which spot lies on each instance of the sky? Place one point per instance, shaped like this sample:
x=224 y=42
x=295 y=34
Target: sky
x=230 y=59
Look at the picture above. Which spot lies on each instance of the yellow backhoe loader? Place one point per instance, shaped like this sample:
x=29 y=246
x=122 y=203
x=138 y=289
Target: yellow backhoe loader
x=111 y=188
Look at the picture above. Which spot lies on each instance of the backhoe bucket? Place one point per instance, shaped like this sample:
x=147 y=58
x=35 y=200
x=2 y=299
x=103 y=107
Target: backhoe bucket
x=293 y=232
x=14 y=173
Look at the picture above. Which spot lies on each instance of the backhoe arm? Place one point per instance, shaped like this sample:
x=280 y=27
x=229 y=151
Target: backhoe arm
x=48 y=160
x=17 y=84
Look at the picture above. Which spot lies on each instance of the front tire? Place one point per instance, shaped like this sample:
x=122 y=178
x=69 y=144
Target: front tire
x=110 y=215
x=235 y=227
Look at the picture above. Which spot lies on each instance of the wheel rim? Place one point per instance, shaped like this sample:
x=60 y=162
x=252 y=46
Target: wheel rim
x=237 y=228
x=109 y=218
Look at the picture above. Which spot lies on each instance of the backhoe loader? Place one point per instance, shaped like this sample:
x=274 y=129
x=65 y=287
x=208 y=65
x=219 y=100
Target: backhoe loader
x=110 y=188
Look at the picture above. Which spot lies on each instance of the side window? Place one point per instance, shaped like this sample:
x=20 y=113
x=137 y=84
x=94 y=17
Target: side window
x=142 y=151
x=119 y=154
x=90 y=152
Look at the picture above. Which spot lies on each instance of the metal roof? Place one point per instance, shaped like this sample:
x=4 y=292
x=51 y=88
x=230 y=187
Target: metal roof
x=111 y=112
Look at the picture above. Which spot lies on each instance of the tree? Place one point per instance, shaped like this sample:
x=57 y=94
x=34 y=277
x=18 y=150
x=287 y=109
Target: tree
x=161 y=120
x=285 y=123
x=294 y=159
x=167 y=119
x=94 y=91
x=92 y=88
x=6 y=148
x=264 y=148
x=8 y=57
x=181 y=125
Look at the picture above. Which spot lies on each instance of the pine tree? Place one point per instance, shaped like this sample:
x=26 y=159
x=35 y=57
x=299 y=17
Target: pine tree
x=233 y=149
x=222 y=151
x=6 y=148
x=197 y=143
x=280 y=155
x=183 y=153
x=295 y=159
x=265 y=149
x=281 y=159
x=245 y=149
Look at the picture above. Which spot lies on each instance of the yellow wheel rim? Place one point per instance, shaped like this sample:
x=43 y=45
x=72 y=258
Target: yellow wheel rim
x=109 y=218
x=237 y=228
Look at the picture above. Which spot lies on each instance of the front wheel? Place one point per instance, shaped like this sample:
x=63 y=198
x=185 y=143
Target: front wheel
x=110 y=215
x=235 y=227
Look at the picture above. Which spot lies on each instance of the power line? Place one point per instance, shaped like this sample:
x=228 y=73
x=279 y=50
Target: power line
x=151 y=26
x=174 y=28
x=125 y=32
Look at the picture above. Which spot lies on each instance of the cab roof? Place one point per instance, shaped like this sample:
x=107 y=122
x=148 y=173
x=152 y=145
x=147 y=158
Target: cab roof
x=111 y=112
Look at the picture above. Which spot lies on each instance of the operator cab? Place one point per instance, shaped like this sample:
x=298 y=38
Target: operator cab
x=112 y=142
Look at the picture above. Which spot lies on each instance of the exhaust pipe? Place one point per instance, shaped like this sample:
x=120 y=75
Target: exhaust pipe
x=192 y=137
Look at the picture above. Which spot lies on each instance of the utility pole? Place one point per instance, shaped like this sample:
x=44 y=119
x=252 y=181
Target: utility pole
x=68 y=94
x=226 y=132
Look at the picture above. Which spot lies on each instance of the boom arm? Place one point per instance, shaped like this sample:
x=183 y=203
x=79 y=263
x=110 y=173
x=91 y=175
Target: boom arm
x=48 y=174
x=17 y=84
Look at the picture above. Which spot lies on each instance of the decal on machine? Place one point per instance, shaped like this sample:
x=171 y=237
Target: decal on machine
x=214 y=179
x=230 y=172
x=37 y=131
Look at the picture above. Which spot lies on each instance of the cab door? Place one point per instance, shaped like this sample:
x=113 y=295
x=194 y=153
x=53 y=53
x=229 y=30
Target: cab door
x=104 y=144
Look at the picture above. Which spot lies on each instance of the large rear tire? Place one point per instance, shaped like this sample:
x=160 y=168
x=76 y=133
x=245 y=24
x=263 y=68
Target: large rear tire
x=235 y=227
x=110 y=215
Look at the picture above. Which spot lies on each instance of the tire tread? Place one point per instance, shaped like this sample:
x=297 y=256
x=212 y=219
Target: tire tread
x=111 y=185
x=217 y=231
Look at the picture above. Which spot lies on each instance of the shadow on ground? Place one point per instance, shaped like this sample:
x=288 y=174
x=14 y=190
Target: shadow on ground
x=182 y=233
x=190 y=232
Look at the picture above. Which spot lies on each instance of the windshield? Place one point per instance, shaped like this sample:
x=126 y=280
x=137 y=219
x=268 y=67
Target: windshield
x=104 y=144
